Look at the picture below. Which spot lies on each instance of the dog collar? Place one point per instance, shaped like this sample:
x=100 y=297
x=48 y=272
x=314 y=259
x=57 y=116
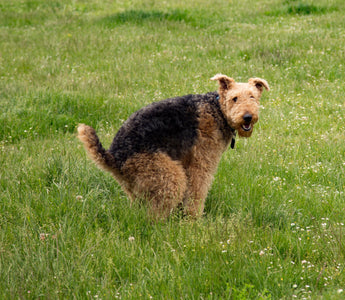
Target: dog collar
x=233 y=130
x=233 y=140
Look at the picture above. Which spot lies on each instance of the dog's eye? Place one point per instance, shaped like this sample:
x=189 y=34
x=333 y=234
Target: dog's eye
x=234 y=99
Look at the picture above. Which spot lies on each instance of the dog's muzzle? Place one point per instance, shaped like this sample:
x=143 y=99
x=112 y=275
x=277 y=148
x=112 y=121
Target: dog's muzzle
x=247 y=126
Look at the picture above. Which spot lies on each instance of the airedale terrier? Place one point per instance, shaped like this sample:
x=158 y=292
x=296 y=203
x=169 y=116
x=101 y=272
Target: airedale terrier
x=167 y=153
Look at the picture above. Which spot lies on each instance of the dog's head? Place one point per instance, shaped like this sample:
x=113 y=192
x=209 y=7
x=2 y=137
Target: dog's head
x=240 y=102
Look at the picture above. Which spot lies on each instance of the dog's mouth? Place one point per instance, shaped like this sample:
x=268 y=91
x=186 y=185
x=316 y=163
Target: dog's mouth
x=247 y=127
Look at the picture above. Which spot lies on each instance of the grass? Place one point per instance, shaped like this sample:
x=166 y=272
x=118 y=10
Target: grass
x=274 y=219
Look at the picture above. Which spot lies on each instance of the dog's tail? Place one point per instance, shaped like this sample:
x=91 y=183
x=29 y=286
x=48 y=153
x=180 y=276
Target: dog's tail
x=94 y=148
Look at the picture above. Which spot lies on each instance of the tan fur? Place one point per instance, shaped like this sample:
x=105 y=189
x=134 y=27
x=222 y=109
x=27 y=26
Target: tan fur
x=203 y=164
x=157 y=179
x=247 y=95
x=90 y=140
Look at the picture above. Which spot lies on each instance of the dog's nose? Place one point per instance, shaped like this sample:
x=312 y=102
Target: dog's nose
x=247 y=118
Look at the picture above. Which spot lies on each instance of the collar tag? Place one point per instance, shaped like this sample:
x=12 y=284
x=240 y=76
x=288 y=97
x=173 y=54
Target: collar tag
x=233 y=139
x=233 y=142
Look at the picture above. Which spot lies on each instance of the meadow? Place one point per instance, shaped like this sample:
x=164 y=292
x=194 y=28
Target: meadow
x=274 y=220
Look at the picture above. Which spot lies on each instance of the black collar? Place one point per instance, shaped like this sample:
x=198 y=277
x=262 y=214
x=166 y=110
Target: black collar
x=228 y=127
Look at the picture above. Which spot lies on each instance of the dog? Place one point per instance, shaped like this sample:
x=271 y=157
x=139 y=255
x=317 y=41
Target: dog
x=166 y=154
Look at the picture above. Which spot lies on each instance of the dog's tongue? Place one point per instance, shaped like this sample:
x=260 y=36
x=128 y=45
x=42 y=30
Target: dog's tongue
x=246 y=126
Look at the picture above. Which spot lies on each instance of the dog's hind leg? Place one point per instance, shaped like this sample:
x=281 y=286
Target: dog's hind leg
x=156 y=179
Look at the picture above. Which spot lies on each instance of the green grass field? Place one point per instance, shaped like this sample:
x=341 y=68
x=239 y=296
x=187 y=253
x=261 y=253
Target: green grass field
x=274 y=220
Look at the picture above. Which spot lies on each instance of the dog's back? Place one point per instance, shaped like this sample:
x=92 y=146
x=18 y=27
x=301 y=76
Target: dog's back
x=168 y=126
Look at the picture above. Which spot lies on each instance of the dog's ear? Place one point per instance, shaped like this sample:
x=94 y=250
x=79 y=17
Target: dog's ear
x=224 y=81
x=259 y=83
